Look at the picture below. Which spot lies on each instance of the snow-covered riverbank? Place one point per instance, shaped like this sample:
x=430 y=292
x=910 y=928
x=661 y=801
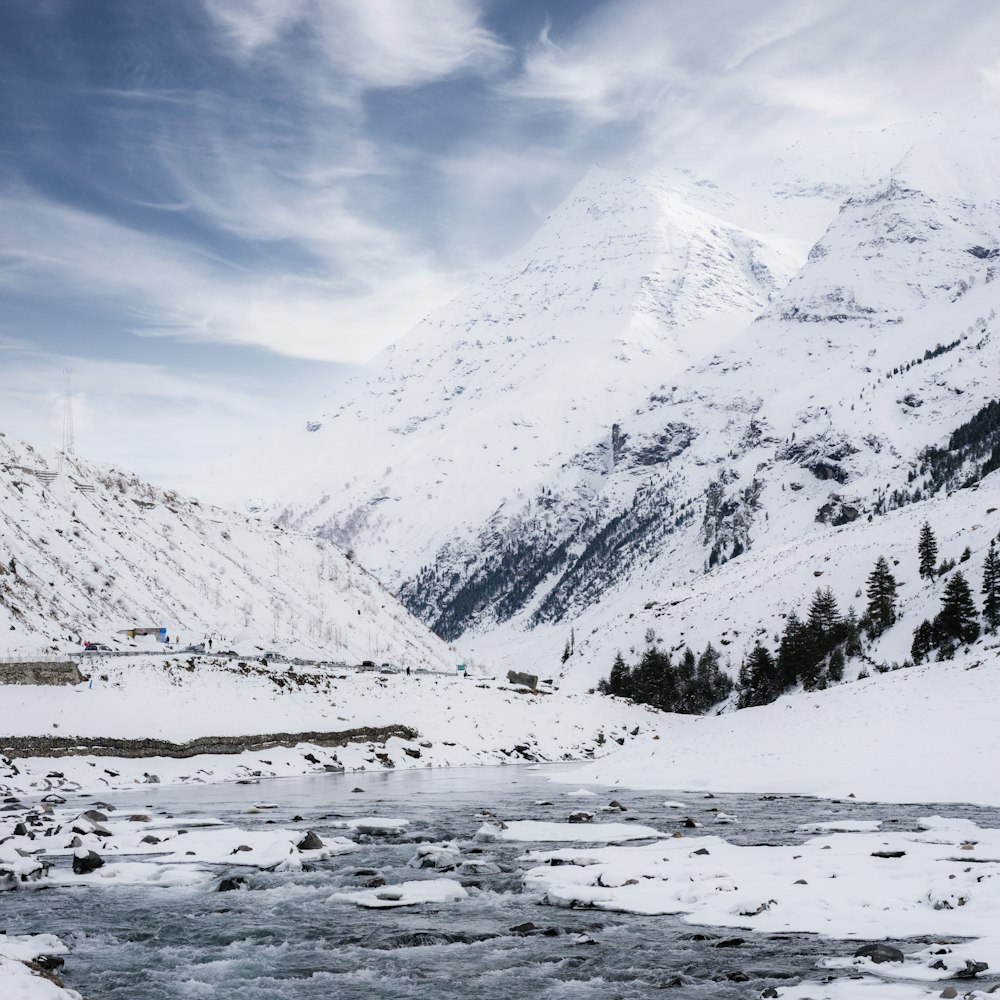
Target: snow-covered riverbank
x=453 y=721
x=922 y=734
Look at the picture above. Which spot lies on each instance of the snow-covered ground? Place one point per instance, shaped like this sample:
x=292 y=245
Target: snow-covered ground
x=456 y=720
x=18 y=980
x=921 y=734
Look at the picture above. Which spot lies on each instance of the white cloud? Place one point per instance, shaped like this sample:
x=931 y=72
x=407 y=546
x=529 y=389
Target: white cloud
x=690 y=74
x=169 y=289
x=374 y=43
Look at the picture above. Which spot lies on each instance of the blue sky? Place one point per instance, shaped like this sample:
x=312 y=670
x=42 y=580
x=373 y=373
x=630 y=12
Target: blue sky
x=212 y=209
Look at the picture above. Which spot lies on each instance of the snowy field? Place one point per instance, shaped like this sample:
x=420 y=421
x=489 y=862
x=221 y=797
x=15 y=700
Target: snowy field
x=457 y=721
x=921 y=734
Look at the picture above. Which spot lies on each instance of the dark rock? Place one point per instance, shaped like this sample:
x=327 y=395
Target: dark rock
x=690 y=824
x=769 y=994
x=737 y=977
x=581 y=817
x=312 y=758
x=20 y=830
x=310 y=842
x=375 y=882
x=49 y=962
x=525 y=928
x=423 y=939
x=615 y=804
x=701 y=850
x=730 y=943
x=150 y=839
x=879 y=953
x=234 y=884
x=972 y=969
x=524 y=680
x=94 y=816
x=888 y=854
x=357 y=789
x=88 y=863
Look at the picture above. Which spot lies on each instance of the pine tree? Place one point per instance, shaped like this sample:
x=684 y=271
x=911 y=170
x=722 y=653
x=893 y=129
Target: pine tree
x=852 y=635
x=924 y=641
x=835 y=668
x=712 y=684
x=881 y=592
x=685 y=670
x=991 y=590
x=620 y=679
x=792 y=651
x=927 y=551
x=824 y=619
x=958 y=619
x=759 y=680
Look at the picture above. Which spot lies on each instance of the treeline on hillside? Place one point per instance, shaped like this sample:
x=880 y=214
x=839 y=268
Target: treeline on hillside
x=690 y=684
x=972 y=452
x=813 y=651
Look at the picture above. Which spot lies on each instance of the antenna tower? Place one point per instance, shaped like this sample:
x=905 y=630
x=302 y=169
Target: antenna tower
x=68 y=443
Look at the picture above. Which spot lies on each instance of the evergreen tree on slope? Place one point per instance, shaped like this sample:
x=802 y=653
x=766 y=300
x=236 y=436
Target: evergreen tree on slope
x=927 y=551
x=991 y=590
x=958 y=619
x=881 y=592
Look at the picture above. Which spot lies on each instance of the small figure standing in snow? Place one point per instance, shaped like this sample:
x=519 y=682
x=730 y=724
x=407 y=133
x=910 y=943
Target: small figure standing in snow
x=407 y=671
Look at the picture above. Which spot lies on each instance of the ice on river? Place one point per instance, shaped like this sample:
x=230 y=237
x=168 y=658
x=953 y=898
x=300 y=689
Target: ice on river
x=440 y=890
x=581 y=833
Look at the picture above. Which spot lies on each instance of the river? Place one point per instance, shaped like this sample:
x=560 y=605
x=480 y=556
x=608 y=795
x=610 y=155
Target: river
x=287 y=940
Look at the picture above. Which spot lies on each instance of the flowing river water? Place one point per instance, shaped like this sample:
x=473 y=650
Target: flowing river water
x=286 y=940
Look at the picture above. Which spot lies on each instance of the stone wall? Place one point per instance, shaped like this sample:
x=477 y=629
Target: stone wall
x=40 y=673
x=66 y=746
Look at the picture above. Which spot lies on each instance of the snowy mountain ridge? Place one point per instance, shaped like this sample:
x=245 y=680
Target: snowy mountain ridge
x=87 y=552
x=511 y=484
x=625 y=285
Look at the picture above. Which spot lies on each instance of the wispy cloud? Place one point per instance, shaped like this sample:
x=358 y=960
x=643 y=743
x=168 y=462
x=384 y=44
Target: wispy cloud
x=168 y=288
x=377 y=43
x=734 y=71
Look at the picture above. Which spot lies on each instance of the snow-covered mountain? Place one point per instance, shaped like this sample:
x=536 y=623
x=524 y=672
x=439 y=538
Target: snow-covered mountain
x=627 y=284
x=87 y=552
x=650 y=390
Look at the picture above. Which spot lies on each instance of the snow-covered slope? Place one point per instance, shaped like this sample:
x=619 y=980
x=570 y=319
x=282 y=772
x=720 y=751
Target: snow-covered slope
x=87 y=552
x=627 y=283
x=648 y=392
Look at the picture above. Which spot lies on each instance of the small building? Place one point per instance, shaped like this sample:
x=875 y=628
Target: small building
x=154 y=630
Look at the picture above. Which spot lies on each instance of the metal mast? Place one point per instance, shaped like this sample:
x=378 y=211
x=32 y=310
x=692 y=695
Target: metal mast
x=68 y=443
